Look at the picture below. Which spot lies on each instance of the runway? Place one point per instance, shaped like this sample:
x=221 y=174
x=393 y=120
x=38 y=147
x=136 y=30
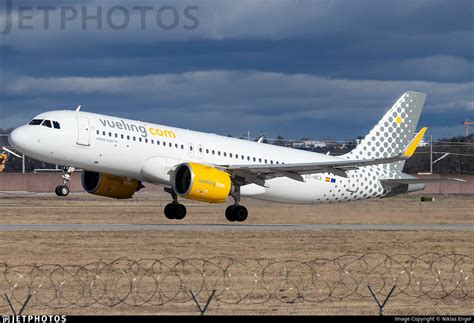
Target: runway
x=232 y=227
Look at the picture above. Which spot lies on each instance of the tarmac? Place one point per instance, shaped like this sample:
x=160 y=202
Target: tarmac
x=233 y=227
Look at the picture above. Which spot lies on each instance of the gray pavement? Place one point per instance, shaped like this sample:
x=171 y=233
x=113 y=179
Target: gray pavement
x=232 y=227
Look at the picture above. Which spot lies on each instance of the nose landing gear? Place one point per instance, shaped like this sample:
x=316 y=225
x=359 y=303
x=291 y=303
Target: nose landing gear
x=63 y=190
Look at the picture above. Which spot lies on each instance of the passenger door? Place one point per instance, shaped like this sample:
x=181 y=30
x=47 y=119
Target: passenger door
x=83 y=132
x=353 y=181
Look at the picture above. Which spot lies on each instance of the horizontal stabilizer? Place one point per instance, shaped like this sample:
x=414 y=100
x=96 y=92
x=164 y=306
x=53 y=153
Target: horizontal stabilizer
x=419 y=180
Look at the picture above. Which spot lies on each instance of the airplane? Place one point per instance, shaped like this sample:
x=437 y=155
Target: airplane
x=117 y=155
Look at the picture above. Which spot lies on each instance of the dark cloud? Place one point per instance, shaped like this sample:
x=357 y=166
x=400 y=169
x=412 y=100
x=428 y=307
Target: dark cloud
x=297 y=68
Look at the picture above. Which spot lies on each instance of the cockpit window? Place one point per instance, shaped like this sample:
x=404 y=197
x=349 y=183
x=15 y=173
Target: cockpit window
x=46 y=123
x=56 y=125
x=36 y=122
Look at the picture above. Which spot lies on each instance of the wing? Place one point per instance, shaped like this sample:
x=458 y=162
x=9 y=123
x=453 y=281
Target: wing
x=257 y=174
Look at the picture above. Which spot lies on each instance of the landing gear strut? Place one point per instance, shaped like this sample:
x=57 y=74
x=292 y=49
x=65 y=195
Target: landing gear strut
x=174 y=210
x=63 y=190
x=236 y=212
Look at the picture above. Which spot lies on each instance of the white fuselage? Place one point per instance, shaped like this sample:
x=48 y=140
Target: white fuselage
x=148 y=152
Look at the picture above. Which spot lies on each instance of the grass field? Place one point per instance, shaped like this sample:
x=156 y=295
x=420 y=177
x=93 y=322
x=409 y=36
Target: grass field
x=86 y=247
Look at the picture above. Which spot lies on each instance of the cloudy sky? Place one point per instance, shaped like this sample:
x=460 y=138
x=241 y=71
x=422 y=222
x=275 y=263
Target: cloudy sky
x=318 y=69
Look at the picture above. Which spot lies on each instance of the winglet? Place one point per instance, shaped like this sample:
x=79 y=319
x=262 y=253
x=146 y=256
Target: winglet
x=414 y=143
x=78 y=108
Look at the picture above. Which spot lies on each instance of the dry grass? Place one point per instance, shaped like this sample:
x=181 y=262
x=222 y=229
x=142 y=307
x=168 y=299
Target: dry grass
x=86 y=247
x=146 y=208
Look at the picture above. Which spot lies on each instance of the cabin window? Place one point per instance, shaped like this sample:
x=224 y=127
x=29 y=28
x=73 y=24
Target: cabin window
x=116 y=135
x=260 y=160
x=128 y=137
x=170 y=144
x=98 y=132
x=219 y=153
x=225 y=154
x=182 y=146
x=207 y=151
x=266 y=161
x=152 y=141
x=213 y=152
x=121 y=136
x=140 y=139
x=254 y=159
x=176 y=145
x=230 y=155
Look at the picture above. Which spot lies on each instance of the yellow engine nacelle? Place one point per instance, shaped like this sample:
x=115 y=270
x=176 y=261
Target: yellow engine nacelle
x=201 y=183
x=109 y=185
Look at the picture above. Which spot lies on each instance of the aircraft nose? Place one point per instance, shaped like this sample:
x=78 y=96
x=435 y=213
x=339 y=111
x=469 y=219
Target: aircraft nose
x=17 y=138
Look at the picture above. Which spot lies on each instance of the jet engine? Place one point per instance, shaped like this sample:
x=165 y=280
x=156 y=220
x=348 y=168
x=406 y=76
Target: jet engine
x=201 y=183
x=110 y=185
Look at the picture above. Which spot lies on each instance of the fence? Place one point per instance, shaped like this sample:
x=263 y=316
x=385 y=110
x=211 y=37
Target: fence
x=443 y=279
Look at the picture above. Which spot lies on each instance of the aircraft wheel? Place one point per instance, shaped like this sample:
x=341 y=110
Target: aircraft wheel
x=170 y=211
x=62 y=190
x=240 y=213
x=229 y=214
x=179 y=211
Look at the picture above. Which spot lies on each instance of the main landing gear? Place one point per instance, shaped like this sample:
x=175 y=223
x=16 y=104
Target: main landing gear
x=233 y=213
x=63 y=190
x=174 y=210
x=236 y=212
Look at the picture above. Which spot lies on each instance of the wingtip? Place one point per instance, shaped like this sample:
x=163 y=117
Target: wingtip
x=410 y=150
